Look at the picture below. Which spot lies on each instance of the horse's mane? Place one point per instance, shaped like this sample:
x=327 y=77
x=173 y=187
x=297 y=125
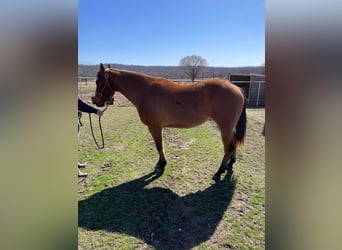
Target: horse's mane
x=140 y=75
x=127 y=72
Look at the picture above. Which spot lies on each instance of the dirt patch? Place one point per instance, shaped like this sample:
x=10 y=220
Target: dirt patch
x=121 y=100
x=175 y=141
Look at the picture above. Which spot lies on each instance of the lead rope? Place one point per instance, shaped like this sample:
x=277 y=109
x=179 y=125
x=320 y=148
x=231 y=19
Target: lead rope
x=100 y=126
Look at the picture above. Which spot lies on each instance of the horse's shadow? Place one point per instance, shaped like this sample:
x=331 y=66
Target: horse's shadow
x=158 y=216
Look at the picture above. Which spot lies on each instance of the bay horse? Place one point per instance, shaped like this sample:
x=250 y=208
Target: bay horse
x=163 y=103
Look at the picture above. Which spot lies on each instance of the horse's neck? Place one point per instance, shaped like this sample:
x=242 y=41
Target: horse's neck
x=131 y=86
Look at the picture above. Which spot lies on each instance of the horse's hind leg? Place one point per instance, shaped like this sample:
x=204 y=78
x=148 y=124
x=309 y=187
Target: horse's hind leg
x=232 y=159
x=229 y=145
x=156 y=133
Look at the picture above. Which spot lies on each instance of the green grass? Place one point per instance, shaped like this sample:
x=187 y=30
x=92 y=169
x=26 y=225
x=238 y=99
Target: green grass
x=122 y=205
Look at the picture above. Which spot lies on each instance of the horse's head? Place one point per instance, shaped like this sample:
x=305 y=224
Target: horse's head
x=104 y=88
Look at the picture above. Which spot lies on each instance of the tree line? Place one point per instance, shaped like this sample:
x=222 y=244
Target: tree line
x=190 y=67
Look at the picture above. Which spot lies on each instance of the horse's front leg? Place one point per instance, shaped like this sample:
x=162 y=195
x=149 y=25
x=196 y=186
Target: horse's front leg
x=156 y=133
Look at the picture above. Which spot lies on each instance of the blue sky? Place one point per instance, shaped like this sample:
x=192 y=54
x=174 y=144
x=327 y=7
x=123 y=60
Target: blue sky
x=161 y=32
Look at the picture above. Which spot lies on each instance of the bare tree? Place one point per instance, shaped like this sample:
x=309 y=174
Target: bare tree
x=193 y=65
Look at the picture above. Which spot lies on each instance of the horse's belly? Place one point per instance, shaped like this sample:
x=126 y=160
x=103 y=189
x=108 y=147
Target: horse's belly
x=185 y=121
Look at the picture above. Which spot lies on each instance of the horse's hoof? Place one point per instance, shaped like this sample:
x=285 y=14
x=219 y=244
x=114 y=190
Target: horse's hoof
x=230 y=171
x=216 y=178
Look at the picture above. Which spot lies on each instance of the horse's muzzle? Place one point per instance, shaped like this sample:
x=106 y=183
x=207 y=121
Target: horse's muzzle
x=97 y=102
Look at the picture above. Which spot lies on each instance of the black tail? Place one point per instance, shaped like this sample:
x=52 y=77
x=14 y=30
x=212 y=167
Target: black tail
x=242 y=124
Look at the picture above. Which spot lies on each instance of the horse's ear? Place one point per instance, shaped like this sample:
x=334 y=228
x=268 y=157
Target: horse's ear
x=102 y=68
x=108 y=66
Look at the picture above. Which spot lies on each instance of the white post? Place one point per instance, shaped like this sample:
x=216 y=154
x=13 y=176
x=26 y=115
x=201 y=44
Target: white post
x=257 y=104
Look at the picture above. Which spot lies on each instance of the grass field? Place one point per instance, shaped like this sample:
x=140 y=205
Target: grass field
x=123 y=206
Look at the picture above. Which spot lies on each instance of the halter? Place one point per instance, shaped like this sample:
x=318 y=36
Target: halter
x=106 y=76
